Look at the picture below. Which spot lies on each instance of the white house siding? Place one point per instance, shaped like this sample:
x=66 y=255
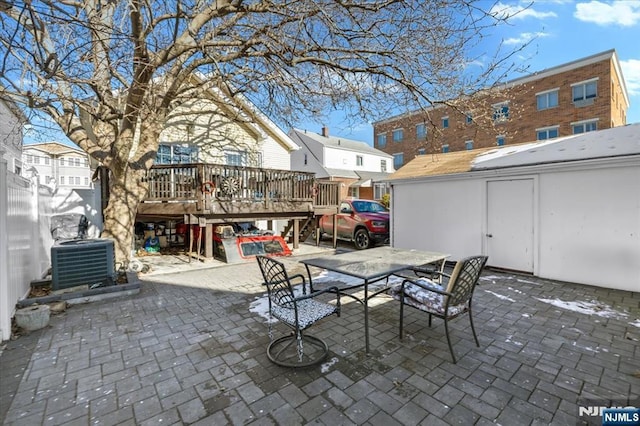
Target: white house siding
x=586 y=223
x=344 y=159
x=10 y=136
x=274 y=155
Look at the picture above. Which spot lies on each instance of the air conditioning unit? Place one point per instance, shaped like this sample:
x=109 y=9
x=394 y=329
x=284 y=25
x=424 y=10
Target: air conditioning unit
x=82 y=262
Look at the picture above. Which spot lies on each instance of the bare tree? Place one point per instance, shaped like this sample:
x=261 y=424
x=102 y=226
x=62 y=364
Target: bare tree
x=110 y=72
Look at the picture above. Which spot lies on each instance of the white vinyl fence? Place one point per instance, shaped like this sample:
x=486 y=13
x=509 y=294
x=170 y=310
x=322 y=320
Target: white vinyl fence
x=25 y=240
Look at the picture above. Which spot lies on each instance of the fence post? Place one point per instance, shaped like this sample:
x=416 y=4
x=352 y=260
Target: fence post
x=5 y=304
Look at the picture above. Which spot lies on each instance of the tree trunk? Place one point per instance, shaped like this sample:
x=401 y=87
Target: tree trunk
x=127 y=190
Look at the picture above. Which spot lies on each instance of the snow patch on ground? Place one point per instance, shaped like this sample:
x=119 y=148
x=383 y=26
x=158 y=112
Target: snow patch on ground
x=588 y=308
x=510 y=340
x=324 y=368
x=500 y=296
x=636 y=323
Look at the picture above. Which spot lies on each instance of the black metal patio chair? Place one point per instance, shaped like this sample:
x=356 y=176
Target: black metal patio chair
x=448 y=300
x=298 y=310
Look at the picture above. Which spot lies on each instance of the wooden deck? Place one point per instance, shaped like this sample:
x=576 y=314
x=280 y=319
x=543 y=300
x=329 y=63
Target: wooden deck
x=209 y=194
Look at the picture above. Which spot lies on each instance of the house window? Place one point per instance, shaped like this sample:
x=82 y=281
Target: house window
x=445 y=148
x=76 y=162
x=61 y=161
x=398 y=135
x=500 y=140
x=382 y=140
x=468 y=145
x=547 y=133
x=398 y=160
x=546 y=100
x=29 y=159
x=359 y=160
x=469 y=118
x=235 y=158
x=86 y=162
x=176 y=154
x=422 y=151
x=61 y=180
x=584 y=127
x=47 y=161
x=445 y=122
x=354 y=192
x=77 y=180
x=421 y=131
x=500 y=112
x=379 y=190
x=584 y=91
x=86 y=181
x=36 y=159
x=383 y=166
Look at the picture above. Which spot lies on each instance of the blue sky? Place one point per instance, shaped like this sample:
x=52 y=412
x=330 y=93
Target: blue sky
x=560 y=31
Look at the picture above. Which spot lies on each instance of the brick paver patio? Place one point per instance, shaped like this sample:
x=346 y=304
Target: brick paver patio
x=190 y=349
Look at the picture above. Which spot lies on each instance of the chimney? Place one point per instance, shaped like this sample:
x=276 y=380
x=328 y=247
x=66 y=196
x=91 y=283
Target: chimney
x=325 y=131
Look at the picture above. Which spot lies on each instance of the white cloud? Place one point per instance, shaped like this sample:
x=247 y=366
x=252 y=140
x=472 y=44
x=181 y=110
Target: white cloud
x=513 y=11
x=625 y=13
x=525 y=38
x=631 y=73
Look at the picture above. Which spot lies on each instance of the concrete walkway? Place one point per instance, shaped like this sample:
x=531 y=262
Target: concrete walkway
x=190 y=349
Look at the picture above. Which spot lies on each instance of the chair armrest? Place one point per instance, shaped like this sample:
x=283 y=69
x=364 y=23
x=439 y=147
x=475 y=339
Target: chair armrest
x=425 y=287
x=427 y=271
x=333 y=289
x=304 y=281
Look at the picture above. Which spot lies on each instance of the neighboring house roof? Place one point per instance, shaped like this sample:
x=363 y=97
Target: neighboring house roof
x=367 y=178
x=338 y=143
x=614 y=142
x=54 y=148
x=252 y=117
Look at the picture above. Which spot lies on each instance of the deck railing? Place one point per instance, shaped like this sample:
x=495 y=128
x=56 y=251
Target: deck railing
x=195 y=182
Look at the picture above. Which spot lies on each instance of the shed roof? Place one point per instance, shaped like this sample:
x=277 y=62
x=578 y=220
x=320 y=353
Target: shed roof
x=614 y=142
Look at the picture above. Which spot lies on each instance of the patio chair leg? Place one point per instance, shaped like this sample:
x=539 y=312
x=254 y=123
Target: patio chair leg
x=429 y=320
x=446 y=329
x=401 y=315
x=473 y=328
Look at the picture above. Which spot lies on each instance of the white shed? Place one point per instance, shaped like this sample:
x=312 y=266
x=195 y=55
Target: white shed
x=565 y=209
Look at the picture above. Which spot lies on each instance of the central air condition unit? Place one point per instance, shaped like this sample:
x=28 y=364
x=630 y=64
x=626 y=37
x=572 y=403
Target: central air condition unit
x=82 y=262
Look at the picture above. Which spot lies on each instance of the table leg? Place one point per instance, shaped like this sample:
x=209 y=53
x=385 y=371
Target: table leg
x=366 y=316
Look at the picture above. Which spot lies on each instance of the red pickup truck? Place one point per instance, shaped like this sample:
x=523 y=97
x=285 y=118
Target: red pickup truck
x=365 y=222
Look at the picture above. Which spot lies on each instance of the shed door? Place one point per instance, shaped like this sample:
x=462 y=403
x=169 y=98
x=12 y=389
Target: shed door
x=510 y=224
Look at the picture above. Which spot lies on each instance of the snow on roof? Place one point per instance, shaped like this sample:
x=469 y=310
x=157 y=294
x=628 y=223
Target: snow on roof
x=614 y=142
x=341 y=143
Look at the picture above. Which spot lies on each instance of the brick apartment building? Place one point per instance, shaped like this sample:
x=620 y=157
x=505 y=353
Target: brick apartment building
x=580 y=96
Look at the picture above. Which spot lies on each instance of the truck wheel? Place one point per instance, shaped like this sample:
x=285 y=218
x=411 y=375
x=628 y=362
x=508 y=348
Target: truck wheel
x=361 y=239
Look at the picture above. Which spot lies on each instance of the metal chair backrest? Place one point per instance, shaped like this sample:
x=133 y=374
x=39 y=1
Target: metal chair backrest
x=277 y=281
x=464 y=279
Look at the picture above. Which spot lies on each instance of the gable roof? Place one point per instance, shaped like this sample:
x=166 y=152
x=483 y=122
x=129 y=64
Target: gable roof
x=253 y=119
x=54 y=148
x=337 y=142
x=614 y=142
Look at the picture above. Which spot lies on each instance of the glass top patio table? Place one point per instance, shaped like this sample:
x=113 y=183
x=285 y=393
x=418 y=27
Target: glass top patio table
x=373 y=265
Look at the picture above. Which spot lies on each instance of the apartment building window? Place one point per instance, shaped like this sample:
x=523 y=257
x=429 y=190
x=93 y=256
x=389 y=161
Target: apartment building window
x=61 y=161
x=86 y=181
x=422 y=151
x=468 y=145
x=548 y=99
x=469 y=118
x=445 y=122
x=500 y=112
x=398 y=135
x=584 y=91
x=382 y=140
x=383 y=166
x=421 y=131
x=359 y=160
x=47 y=161
x=500 y=140
x=29 y=159
x=76 y=162
x=61 y=180
x=398 y=160
x=584 y=126
x=36 y=159
x=445 y=148
x=86 y=162
x=547 y=133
